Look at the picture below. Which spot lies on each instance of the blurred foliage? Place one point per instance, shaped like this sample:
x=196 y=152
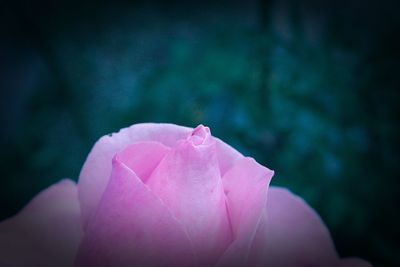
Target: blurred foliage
x=310 y=91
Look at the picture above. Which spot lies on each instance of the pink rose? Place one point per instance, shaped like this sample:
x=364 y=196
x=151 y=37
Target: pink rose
x=166 y=195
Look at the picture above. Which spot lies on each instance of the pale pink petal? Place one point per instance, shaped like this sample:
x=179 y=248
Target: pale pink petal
x=291 y=234
x=46 y=232
x=96 y=171
x=132 y=227
x=227 y=156
x=246 y=186
x=188 y=182
x=143 y=157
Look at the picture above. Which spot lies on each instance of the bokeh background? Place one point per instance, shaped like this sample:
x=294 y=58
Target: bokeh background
x=308 y=88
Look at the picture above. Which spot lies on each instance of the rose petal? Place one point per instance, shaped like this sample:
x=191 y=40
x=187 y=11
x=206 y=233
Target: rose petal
x=46 y=232
x=132 y=227
x=142 y=158
x=188 y=182
x=246 y=186
x=96 y=171
x=291 y=234
x=227 y=156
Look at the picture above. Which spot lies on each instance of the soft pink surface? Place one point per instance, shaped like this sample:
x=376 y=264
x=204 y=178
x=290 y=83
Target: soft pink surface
x=291 y=234
x=96 y=171
x=246 y=186
x=132 y=227
x=164 y=195
x=188 y=182
x=142 y=158
x=46 y=232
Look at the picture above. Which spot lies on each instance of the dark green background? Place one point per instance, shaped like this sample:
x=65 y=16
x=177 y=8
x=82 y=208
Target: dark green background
x=309 y=89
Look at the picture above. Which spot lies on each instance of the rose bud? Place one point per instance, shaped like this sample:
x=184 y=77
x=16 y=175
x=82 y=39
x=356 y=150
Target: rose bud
x=163 y=195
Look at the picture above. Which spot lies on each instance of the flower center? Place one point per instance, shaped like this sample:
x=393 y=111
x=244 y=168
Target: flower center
x=200 y=135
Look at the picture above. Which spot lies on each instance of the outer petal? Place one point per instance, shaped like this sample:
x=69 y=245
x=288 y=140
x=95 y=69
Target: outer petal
x=132 y=227
x=46 y=232
x=227 y=156
x=291 y=234
x=96 y=171
x=188 y=182
x=246 y=186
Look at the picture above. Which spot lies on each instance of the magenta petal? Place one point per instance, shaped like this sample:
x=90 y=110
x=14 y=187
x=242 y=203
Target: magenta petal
x=142 y=158
x=46 y=232
x=96 y=171
x=188 y=182
x=291 y=234
x=246 y=186
x=132 y=227
x=227 y=156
